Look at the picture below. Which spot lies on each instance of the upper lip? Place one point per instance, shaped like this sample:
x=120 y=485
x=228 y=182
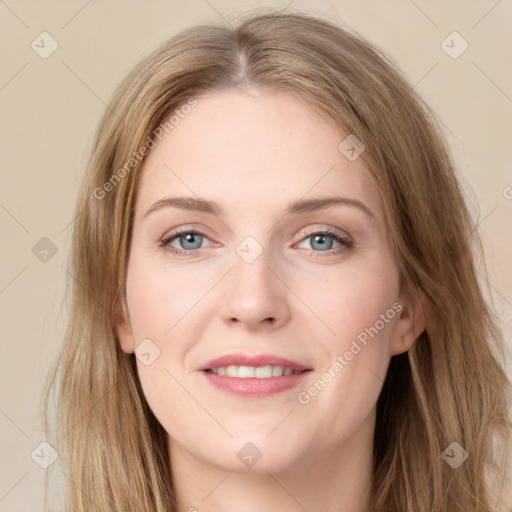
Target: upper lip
x=252 y=360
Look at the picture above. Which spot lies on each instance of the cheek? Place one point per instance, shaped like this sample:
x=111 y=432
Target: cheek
x=163 y=303
x=158 y=303
x=158 y=298
x=356 y=309
x=361 y=313
x=348 y=302
x=338 y=309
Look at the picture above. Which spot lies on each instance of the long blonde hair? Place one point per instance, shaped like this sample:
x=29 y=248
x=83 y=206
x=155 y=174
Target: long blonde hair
x=449 y=387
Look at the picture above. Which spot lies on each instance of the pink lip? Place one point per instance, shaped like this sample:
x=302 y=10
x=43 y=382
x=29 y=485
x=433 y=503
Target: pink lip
x=254 y=387
x=259 y=360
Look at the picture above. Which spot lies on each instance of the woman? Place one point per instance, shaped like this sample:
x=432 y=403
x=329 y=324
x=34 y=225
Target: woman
x=275 y=302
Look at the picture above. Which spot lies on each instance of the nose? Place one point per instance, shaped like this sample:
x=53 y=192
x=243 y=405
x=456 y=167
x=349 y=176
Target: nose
x=256 y=296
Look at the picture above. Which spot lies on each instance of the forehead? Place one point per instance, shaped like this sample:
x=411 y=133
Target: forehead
x=253 y=149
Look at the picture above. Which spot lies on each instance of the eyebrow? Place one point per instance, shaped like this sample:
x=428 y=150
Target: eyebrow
x=294 y=208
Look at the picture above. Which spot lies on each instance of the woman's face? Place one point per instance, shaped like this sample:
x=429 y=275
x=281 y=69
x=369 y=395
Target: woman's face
x=262 y=341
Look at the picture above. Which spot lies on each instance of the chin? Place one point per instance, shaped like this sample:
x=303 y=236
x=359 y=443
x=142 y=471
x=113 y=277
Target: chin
x=255 y=454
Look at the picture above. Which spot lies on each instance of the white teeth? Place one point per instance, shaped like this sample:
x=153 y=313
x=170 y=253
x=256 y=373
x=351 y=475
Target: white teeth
x=244 y=372
x=263 y=372
x=232 y=371
x=247 y=372
x=277 y=371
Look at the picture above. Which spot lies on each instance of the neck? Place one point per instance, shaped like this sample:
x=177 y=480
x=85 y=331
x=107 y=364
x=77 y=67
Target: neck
x=335 y=480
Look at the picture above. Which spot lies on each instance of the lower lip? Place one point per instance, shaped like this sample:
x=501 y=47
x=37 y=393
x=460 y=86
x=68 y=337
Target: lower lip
x=252 y=387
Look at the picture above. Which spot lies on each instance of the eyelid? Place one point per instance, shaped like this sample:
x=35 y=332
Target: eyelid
x=342 y=237
x=178 y=232
x=316 y=228
x=345 y=241
x=304 y=233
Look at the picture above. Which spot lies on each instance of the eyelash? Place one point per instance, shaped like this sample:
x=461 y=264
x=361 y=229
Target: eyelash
x=165 y=242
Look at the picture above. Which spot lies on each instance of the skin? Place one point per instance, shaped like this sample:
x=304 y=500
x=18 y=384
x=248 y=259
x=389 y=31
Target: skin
x=253 y=153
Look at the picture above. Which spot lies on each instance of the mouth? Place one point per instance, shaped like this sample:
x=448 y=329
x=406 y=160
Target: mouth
x=254 y=376
x=256 y=372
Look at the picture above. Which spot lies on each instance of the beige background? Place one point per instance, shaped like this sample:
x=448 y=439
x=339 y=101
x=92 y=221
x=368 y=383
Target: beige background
x=49 y=109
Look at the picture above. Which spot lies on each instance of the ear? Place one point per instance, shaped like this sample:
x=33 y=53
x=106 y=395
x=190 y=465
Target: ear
x=411 y=322
x=124 y=331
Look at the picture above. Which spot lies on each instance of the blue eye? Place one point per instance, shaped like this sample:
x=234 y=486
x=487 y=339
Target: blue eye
x=191 y=241
x=323 y=241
